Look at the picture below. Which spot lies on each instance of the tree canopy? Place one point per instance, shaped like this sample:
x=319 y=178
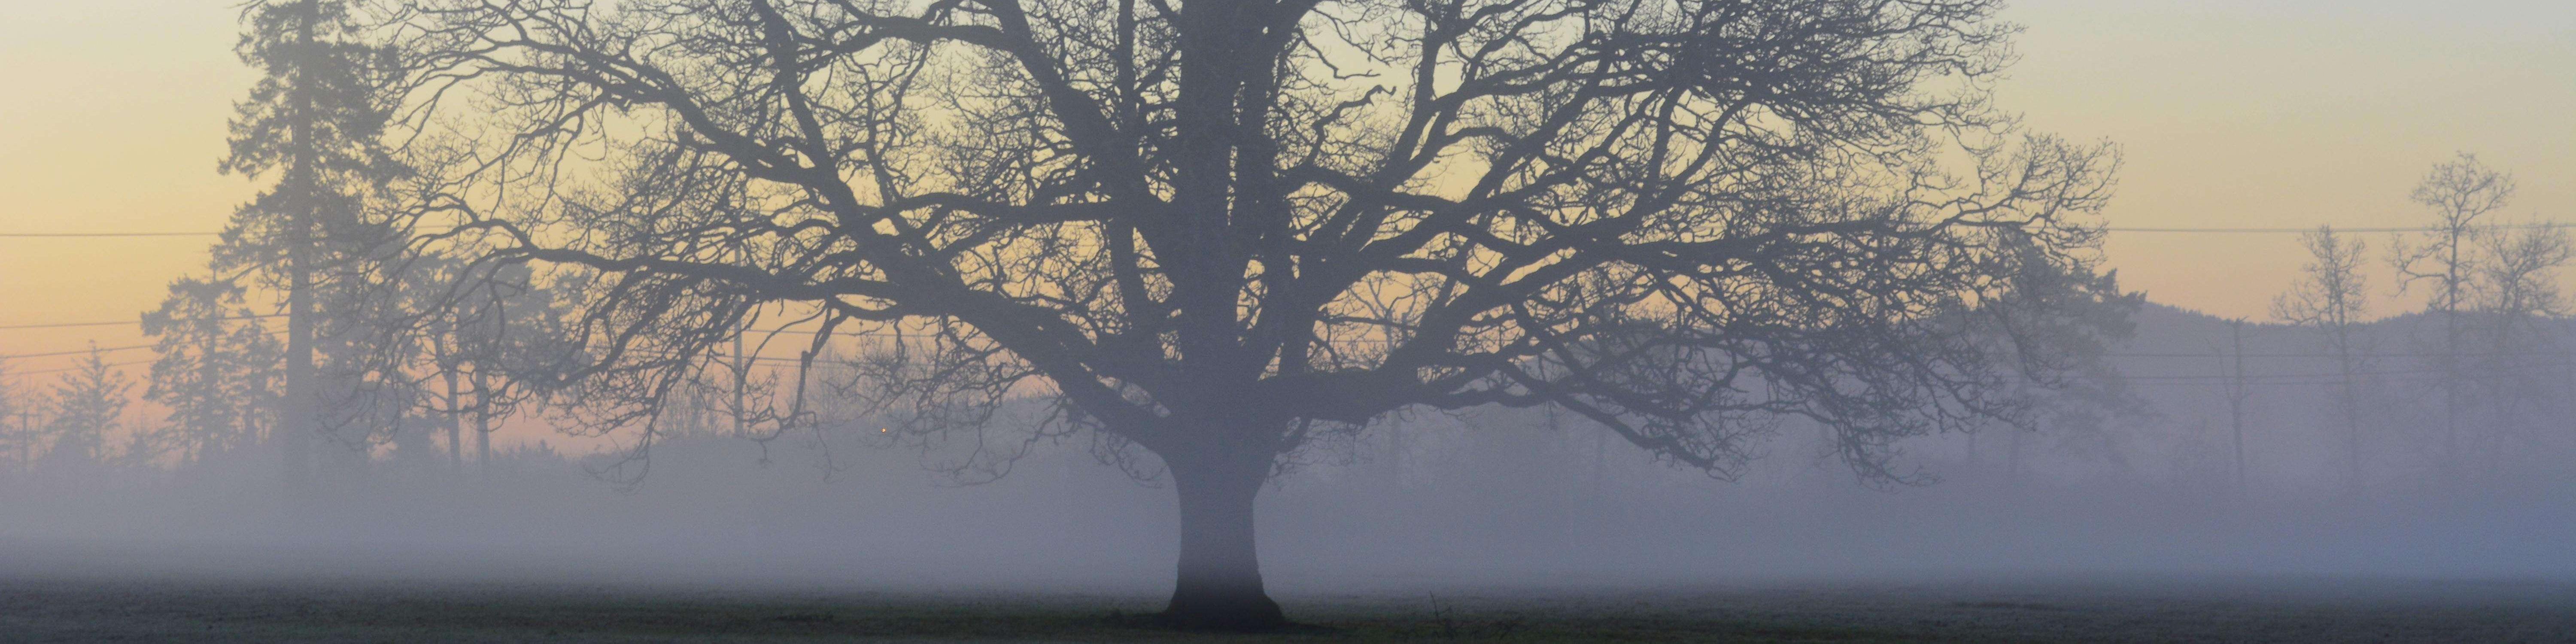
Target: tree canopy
x=1219 y=230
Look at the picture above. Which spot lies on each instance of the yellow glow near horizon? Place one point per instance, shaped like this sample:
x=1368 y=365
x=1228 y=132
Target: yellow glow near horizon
x=2294 y=113
x=2233 y=113
x=112 y=122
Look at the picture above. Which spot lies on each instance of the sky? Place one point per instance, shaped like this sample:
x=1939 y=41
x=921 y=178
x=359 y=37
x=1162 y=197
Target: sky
x=2233 y=113
x=2295 y=113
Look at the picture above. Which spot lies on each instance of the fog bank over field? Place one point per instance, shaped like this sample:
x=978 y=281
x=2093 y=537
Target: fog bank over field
x=1065 y=526
x=1482 y=498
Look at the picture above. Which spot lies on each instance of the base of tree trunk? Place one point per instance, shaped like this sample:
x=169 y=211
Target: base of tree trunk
x=1236 y=611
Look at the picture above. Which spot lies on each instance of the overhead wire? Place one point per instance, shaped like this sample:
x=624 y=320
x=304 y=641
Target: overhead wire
x=2118 y=229
x=2367 y=229
x=39 y=372
x=2115 y=229
x=59 y=325
x=74 y=235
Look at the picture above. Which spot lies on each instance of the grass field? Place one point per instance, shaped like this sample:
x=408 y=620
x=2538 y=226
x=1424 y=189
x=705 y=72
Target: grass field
x=2274 y=610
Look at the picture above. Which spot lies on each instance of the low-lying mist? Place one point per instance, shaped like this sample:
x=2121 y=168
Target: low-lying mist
x=1482 y=498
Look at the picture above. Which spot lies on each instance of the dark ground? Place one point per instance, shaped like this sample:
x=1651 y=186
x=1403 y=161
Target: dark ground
x=2254 y=610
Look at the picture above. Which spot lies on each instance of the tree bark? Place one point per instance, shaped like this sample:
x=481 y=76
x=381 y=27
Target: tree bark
x=1219 y=586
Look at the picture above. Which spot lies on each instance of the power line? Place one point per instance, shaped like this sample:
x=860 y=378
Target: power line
x=75 y=352
x=2336 y=378
x=80 y=351
x=2115 y=229
x=2357 y=355
x=2379 y=229
x=2219 y=381
x=151 y=234
x=60 y=325
x=2266 y=379
x=1370 y=341
x=110 y=365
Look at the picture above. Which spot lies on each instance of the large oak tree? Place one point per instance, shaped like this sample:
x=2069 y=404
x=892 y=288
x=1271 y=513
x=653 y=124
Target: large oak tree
x=1219 y=230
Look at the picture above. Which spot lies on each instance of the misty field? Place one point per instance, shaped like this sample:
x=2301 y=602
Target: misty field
x=2136 y=610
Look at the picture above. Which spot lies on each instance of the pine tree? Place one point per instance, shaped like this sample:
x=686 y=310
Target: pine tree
x=89 y=407
x=311 y=124
x=219 y=368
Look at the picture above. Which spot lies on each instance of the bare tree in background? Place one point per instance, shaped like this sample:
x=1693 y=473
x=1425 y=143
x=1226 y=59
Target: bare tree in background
x=2459 y=192
x=1218 y=231
x=17 y=419
x=2332 y=298
x=2516 y=300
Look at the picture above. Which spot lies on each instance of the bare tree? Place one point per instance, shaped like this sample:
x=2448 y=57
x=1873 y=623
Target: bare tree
x=2516 y=299
x=2459 y=192
x=17 y=419
x=2332 y=298
x=1216 y=232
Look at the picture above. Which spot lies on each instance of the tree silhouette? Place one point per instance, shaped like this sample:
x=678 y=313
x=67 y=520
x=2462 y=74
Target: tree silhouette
x=89 y=407
x=2460 y=193
x=2515 y=295
x=314 y=121
x=2333 y=298
x=218 y=369
x=18 y=405
x=1218 y=231
x=477 y=344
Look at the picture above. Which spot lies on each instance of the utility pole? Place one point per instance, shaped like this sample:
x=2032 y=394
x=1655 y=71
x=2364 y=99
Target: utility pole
x=1600 y=450
x=741 y=379
x=1395 y=451
x=482 y=424
x=2355 y=479
x=2012 y=460
x=2236 y=395
x=455 y=423
x=1600 y=461
x=2569 y=403
x=26 y=439
x=2452 y=281
x=1976 y=461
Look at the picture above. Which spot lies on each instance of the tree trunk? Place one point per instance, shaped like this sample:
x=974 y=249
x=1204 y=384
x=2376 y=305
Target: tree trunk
x=455 y=425
x=1219 y=587
x=296 y=419
x=482 y=427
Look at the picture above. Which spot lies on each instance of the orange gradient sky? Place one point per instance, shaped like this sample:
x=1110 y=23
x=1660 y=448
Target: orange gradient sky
x=2232 y=113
